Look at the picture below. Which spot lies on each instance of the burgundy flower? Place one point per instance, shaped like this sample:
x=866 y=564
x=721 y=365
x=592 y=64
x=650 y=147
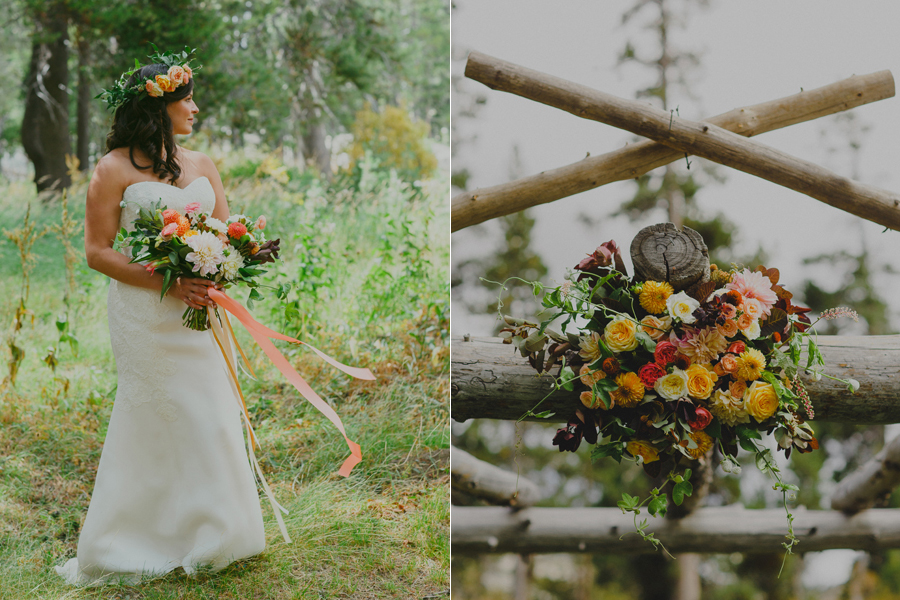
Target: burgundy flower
x=702 y=418
x=569 y=437
x=606 y=255
x=268 y=252
x=665 y=353
x=649 y=373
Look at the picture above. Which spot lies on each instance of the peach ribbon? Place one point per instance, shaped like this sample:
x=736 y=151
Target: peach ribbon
x=261 y=335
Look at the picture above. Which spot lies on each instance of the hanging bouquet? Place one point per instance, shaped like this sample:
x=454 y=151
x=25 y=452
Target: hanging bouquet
x=195 y=244
x=666 y=376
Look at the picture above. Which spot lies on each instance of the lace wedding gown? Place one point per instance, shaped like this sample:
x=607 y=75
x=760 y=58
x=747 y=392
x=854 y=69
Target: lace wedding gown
x=174 y=486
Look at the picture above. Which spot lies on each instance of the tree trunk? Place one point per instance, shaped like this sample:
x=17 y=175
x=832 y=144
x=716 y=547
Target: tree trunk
x=83 y=128
x=314 y=148
x=701 y=139
x=45 y=123
x=872 y=483
x=491 y=380
x=723 y=529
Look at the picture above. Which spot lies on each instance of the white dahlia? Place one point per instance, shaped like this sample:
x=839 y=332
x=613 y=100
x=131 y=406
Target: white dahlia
x=216 y=225
x=231 y=264
x=207 y=253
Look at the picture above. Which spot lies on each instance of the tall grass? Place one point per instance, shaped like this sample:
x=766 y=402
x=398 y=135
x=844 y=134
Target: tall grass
x=364 y=279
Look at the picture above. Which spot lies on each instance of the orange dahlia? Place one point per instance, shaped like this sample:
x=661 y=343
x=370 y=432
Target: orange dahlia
x=237 y=230
x=630 y=391
x=170 y=215
x=183 y=226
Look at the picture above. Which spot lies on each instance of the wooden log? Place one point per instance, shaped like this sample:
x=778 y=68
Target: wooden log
x=871 y=484
x=490 y=380
x=702 y=139
x=662 y=253
x=723 y=529
x=485 y=481
x=483 y=204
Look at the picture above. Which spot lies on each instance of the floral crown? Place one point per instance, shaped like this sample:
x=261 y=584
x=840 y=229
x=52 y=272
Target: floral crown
x=179 y=73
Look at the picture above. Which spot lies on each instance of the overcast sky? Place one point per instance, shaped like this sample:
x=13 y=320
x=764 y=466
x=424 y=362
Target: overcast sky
x=750 y=52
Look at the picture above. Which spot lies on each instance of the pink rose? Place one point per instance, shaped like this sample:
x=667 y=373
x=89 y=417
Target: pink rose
x=191 y=208
x=187 y=73
x=753 y=307
x=702 y=418
x=745 y=321
x=176 y=75
x=649 y=373
x=665 y=353
x=729 y=363
x=261 y=222
x=168 y=231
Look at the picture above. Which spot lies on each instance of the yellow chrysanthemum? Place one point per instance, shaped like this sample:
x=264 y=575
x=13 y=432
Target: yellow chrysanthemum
x=750 y=365
x=630 y=391
x=704 y=443
x=654 y=295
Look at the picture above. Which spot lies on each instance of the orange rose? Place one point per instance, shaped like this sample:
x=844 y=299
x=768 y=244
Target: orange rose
x=745 y=321
x=729 y=329
x=737 y=388
x=589 y=378
x=165 y=83
x=153 y=89
x=700 y=381
x=762 y=401
x=729 y=363
x=589 y=399
x=753 y=307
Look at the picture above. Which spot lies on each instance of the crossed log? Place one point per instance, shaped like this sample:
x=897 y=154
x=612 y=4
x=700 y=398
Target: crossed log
x=718 y=139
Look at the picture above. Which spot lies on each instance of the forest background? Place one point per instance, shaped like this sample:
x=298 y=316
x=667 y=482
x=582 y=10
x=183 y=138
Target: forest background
x=697 y=59
x=330 y=117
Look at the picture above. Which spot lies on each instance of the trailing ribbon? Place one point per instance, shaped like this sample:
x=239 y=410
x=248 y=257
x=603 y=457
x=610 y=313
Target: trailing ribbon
x=261 y=335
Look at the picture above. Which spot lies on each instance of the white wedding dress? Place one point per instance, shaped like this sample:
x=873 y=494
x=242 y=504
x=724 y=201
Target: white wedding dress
x=174 y=486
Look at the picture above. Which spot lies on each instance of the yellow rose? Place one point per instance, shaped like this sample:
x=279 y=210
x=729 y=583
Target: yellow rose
x=672 y=386
x=761 y=400
x=700 y=381
x=656 y=327
x=619 y=334
x=153 y=89
x=641 y=448
x=165 y=83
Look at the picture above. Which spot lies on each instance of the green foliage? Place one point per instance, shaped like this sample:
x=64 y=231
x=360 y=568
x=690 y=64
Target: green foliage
x=395 y=141
x=382 y=533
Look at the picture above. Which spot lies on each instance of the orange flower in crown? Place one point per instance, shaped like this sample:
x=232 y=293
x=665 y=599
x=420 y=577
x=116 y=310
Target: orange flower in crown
x=178 y=73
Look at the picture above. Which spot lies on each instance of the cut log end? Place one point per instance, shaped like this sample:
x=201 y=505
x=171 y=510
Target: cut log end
x=662 y=253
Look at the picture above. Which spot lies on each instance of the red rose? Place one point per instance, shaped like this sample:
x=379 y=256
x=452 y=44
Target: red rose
x=665 y=353
x=702 y=418
x=737 y=347
x=649 y=373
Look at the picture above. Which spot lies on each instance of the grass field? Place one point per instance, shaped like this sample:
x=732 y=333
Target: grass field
x=367 y=261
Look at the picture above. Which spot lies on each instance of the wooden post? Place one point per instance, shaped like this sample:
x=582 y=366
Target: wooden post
x=491 y=380
x=488 y=482
x=663 y=253
x=721 y=529
x=471 y=208
x=870 y=484
x=702 y=139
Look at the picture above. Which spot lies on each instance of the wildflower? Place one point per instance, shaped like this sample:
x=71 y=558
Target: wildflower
x=630 y=390
x=750 y=365
x=796 y=386
x=840 y=311
x=654 y=295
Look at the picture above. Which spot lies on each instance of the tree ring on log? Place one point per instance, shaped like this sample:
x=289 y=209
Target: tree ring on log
x=662 y=253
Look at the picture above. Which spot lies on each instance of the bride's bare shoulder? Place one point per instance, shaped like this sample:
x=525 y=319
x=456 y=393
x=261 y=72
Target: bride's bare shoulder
x=111 y=172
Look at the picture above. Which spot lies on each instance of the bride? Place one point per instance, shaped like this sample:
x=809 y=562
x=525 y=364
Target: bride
x=174 y=487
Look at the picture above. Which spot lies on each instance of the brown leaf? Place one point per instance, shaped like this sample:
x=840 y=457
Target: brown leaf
x=701 y=292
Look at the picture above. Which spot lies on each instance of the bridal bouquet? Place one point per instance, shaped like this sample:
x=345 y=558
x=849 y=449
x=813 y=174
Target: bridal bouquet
x=666 y=376
x=195 y=244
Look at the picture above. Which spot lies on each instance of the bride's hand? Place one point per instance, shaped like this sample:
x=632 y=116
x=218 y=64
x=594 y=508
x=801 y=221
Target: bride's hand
x=193 y=291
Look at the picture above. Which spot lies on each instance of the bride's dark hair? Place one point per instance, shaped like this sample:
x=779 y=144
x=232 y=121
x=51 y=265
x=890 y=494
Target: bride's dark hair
x=143 y=122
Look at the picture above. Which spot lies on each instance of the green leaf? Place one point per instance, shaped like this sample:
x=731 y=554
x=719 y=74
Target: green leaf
x=173 y=256
x=567 y=375
x=680 y=490
x=544 y=415
x=658 y=506
x=167 y=278
x=646 y=341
